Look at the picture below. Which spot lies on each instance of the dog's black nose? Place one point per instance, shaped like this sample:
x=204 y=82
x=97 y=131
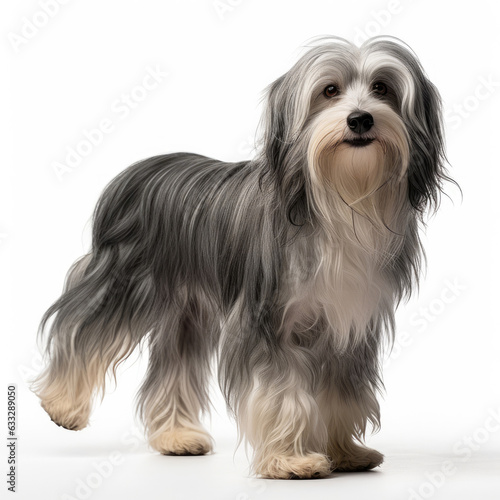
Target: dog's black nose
x=360 y=122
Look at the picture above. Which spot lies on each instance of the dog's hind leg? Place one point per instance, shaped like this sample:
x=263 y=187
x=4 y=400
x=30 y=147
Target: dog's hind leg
x=175 y=392
x=106 y=308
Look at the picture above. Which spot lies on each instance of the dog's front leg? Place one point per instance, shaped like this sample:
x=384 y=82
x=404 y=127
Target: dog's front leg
x=348 y=403
x=281 y=421
x=270 y=387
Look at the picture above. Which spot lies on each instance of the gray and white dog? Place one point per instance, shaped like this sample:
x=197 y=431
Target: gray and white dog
x=287 y=268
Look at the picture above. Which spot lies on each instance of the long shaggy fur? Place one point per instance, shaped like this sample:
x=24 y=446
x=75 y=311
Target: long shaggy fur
x=287 y=268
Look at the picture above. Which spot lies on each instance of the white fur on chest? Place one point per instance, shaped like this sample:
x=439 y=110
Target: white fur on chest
x=339 y=283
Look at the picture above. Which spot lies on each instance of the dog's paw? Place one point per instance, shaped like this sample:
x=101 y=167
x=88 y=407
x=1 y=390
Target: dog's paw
x=183 y=441
x=362 y=459
x=310 y=466
x=68 y=414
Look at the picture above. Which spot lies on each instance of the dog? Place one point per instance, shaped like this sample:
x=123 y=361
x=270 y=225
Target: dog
x=285 y=269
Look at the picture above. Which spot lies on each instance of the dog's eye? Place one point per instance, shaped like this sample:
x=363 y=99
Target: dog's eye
x=380 y=88
x=331 y=91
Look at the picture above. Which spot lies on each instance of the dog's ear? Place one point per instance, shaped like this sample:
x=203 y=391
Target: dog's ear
x=421 y=111
x=285 y=115
x=282 y=119
x=423 y=117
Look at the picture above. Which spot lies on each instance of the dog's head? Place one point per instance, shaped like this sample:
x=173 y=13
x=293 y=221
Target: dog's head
x=359 y=120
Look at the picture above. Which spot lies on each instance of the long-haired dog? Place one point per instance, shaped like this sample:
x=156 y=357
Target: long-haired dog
x=286 y=268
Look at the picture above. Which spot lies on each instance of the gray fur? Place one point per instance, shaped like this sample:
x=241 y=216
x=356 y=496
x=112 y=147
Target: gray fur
x=197 y=256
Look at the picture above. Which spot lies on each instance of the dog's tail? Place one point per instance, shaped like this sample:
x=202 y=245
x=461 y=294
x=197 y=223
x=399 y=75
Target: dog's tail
x=111 y=300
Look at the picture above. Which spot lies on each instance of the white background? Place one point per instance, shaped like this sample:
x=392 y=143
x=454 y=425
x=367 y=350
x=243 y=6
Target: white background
x=443 y=378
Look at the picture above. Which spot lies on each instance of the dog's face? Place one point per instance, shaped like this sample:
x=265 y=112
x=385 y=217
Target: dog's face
x=358 y=139
x=364 y=118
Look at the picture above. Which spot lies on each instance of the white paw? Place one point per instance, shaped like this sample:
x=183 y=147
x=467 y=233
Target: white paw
x=183 y=441
x=312 y=465
x=67 y=413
